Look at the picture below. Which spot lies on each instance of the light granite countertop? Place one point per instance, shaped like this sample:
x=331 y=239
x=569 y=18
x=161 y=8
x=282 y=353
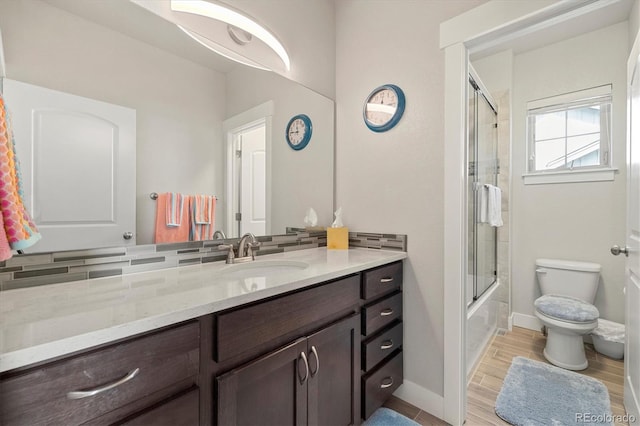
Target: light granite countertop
x=41 y=323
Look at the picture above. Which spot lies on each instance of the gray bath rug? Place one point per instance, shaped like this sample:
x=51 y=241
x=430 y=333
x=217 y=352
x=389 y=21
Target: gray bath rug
x=534 y=393
x=387 y=417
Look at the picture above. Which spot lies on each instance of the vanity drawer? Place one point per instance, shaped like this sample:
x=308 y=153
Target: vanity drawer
x=182 y=409
x=381 y=346
x=248 y=327
x=40 y=395
x=378 y=386
x=384 y=279
x=381 y=313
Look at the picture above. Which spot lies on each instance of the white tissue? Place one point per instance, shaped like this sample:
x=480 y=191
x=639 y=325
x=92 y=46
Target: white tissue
x=311 y=219
x=338 y=222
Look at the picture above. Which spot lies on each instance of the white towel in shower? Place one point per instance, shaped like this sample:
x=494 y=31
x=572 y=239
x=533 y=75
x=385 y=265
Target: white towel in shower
x=483 y=201
x=494 y=205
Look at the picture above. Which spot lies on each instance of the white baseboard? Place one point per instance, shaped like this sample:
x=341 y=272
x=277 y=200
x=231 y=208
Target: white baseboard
x=525 y=321
x=422 y=398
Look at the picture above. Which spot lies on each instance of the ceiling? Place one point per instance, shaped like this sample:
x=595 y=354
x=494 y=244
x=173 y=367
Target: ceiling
x=581 y=17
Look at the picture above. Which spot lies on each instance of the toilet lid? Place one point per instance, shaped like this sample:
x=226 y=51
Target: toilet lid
x=566 y=308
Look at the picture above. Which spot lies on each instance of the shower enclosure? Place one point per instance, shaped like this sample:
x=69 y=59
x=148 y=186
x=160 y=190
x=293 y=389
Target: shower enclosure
x=483 y=168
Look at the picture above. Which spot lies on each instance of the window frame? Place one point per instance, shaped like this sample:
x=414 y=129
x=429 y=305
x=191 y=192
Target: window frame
x=600 y=95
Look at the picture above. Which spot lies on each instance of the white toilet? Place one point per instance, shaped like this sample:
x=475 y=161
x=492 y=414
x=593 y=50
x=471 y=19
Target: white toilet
x=565 y=308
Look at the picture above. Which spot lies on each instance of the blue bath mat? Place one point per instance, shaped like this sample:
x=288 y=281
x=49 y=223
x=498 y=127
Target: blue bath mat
x=535 y=393
x=387 y=417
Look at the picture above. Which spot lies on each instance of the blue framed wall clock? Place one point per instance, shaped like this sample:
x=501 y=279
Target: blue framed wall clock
x=383 y=108
x=298 y=131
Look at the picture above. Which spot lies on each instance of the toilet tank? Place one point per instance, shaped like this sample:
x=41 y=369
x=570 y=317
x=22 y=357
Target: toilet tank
x=568 y=278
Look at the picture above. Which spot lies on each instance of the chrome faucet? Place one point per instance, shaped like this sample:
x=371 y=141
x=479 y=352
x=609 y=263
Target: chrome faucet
x=245 y=249
x=219 y=235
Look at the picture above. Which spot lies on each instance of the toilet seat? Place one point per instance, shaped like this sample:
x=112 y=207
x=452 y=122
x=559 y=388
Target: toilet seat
x=582 y=327
x=566 y=309
x=567 y=319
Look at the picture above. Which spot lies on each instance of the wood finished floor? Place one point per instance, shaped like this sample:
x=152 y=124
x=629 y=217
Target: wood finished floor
x=486 y=381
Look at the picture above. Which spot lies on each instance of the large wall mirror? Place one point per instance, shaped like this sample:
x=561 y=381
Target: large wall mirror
x=190 y=105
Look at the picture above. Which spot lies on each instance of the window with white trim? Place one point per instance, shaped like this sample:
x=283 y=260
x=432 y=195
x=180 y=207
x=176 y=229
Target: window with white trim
x=570 y=132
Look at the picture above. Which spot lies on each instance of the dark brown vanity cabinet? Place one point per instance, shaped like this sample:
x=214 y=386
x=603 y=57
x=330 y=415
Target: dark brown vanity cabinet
x=298 y=356
x=328 y=354
x=382 y=371
x=114 y=384
x=311 y=381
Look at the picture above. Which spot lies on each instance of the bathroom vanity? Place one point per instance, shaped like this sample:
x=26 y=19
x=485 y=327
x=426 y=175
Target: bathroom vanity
x=312 y=336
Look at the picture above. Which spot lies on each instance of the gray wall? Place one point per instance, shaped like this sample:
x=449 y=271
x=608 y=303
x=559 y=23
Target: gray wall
x=393 y=181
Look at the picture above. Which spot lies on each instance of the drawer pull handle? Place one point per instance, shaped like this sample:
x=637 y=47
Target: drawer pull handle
x=386 y=280
x=93 y=392
x=386 y=312
x=387 y=382
x=315 y=353
x=387 y=344
x=306 y=368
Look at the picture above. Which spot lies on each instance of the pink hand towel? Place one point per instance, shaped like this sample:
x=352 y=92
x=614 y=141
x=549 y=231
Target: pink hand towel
x=202 y=211
x=165 y=233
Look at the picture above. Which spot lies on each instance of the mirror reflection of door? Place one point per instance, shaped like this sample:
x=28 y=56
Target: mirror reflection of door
x=78 y=165
x=250 y=180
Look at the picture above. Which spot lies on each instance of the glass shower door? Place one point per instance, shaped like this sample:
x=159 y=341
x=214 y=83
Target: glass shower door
x=483 y=170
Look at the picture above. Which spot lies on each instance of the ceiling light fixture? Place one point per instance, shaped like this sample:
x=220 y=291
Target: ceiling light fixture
x=231 y=17
x=220 y=50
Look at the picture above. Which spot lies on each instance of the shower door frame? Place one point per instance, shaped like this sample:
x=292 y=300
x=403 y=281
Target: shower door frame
x=479 y=92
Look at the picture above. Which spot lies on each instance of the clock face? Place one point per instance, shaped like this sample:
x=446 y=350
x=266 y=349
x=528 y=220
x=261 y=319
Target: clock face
x=381 y=106
x=297 y=131
x=384 y=107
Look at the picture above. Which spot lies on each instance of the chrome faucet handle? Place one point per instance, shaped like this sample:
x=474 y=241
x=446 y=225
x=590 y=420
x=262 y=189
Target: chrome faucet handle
x=244 y=246
x=230 y=253
x=251 y=247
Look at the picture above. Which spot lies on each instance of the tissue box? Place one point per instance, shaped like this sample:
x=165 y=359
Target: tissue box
x=338 y=238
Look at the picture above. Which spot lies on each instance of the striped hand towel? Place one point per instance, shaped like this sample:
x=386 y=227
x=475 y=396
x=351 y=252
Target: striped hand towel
x=202 y=211
x=174 y=208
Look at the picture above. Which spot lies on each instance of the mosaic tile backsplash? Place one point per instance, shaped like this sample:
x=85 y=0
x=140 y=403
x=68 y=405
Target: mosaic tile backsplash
x=29 y=270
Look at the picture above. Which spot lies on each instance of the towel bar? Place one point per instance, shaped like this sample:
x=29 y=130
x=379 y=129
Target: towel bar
x=154 y=196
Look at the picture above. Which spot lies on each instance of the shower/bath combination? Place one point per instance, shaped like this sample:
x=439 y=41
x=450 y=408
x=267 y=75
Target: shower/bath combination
x=483 y=169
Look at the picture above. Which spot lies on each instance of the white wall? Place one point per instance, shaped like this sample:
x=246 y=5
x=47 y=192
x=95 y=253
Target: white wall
x=301 y=179
x=179 y=105
x=579 y=221
x=393 y=181
x=634 y=22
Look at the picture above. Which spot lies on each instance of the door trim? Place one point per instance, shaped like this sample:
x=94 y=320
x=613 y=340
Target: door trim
x=476 y=30
x=230 y=128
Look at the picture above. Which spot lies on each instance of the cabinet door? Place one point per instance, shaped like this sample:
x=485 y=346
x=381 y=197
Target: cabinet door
x=271 y=390
x=334 y=378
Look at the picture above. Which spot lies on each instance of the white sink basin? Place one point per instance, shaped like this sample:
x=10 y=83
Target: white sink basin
x=263 y=268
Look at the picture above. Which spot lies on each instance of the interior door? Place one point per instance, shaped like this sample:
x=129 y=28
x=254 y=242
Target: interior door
x=253 y=186
x=632 y=287
x=78 y=159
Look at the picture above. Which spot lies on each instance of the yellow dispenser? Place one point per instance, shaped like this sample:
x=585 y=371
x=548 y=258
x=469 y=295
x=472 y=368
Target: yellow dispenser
x=338 y=238
x=338 y=234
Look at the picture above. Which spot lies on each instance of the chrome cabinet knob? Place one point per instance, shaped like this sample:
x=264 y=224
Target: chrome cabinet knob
x=616 y=250
x=127 y=235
